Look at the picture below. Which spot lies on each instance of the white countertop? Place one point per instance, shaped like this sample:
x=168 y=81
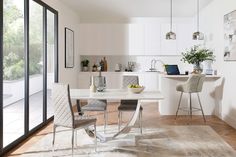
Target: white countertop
x=121 y=72
x=186 y=76
x=115 y=94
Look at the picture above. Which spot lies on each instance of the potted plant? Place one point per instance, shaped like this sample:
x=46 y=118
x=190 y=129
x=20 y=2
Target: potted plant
x=85 y=64
x=196 y=55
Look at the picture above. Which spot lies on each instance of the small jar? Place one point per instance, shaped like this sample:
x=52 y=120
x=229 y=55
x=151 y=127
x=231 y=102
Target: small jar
x=94 y=68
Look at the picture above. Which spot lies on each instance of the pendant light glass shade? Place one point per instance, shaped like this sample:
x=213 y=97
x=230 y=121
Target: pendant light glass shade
x=198 y=35
x=170 y=35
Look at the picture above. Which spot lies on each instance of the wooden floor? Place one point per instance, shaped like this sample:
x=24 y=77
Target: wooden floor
x=151 y=118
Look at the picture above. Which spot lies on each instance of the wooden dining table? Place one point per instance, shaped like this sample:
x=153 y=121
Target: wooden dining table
x=117 y=94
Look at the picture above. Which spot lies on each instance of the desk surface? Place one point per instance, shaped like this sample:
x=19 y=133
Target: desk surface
x=115 y=94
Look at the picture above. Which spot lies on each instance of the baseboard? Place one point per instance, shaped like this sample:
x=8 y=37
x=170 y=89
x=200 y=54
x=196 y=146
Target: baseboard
x=229 y=120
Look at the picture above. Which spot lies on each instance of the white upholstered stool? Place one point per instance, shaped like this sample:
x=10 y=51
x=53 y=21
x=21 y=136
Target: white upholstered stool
x=192 y=85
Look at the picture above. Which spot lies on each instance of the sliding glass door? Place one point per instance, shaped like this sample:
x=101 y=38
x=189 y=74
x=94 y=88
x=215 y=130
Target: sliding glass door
x=50 y=59
x=13 y=70
x=28 y=63
x=36 y=63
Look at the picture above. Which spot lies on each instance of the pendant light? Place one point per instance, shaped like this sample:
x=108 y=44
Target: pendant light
x=198 y=35
x=170 y=35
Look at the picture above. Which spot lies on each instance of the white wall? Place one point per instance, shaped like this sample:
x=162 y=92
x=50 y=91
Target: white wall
x=66 y=18
x=212 y=25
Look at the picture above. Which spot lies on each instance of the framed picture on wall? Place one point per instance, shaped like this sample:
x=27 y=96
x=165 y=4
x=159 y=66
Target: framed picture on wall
x=230 y=36
x=69 y=48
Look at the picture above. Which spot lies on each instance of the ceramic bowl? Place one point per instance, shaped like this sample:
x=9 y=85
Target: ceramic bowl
x=136 y=90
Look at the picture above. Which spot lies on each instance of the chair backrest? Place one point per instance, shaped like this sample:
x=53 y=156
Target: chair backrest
x=63 y=113
x=195 y=82
x=127 y=80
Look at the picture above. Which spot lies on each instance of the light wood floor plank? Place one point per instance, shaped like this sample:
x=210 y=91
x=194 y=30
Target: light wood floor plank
x=151 y=118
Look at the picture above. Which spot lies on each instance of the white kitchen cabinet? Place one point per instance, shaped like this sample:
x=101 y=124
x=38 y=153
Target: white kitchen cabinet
x=114 y=79
x=184 y=40
x=136 y=39
x=168 y=47
x=151 y=81
x=152 y=39
x=119 y=39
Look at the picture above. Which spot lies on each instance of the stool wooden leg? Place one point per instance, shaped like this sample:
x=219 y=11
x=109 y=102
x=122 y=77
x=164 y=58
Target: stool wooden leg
x=178 y=105
x=201 y=107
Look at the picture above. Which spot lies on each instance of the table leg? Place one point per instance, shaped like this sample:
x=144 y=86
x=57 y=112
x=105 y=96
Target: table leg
x=79 y=107
x=125 y=130
x=131 y=123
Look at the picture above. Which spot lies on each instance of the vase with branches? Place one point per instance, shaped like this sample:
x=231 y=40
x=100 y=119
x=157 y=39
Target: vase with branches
x=196 y=55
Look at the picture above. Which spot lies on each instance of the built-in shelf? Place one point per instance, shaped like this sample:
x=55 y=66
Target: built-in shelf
x=121 y=72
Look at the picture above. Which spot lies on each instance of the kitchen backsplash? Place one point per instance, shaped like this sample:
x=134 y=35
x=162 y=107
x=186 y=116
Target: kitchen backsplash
x=141 y=63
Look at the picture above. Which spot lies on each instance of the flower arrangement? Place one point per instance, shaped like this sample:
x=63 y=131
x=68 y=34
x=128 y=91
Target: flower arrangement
x=196 y=55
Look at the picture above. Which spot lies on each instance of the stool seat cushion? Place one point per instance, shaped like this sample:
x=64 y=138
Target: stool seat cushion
x=192 y=85
x=181 y=88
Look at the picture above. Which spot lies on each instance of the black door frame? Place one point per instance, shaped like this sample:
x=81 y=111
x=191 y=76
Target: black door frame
x=46 y=120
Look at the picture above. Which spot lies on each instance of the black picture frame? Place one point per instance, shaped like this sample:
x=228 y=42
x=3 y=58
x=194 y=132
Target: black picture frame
x=229 y=36
x=69 y=48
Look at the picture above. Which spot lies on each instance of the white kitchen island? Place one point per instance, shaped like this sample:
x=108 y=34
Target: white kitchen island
x=167 y=85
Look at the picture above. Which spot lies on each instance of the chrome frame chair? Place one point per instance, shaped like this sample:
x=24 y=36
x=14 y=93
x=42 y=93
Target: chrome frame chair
x=97 y=105
x=64 y=115
x=129 y=105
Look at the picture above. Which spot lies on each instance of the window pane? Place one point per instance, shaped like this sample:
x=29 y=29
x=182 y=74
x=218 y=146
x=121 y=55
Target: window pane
x=50 y=60
x=35 y=64
x=13 y=70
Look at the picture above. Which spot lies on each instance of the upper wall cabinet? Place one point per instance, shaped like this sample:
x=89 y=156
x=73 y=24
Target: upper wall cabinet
x=184 y=38
x=152 y=39
x=134 y=39
x=119 y=39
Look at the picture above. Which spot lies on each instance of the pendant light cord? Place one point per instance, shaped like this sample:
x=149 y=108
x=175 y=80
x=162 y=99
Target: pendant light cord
x=171 y=15
x=198 y=15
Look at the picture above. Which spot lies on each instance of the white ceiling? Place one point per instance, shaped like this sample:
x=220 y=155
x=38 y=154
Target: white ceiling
x=95 y=9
